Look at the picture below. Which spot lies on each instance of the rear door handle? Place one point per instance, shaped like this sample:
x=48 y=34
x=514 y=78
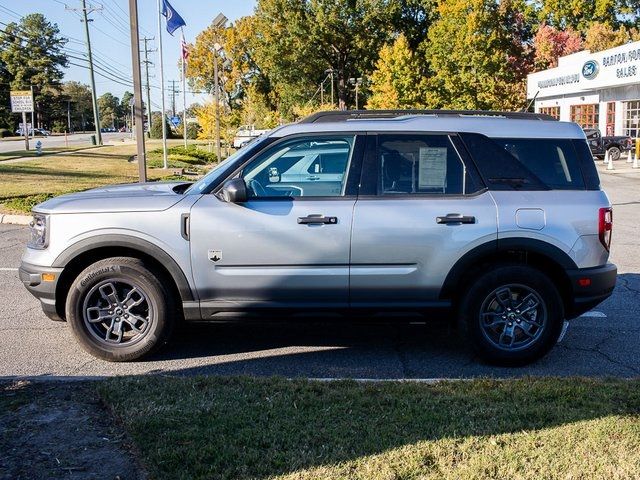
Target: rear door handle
x=456 y=218
x=313 y=178
x=316 y=219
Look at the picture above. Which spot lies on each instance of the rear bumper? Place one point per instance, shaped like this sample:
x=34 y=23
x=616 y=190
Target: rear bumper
x=45 y=291
x=590 y=286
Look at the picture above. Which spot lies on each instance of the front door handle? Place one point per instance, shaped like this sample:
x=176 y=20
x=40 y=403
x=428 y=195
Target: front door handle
x=455 y=218
x=313 y=178
x=316 y=219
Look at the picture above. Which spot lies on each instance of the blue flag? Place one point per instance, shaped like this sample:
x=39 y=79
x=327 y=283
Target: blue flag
x=174 y=20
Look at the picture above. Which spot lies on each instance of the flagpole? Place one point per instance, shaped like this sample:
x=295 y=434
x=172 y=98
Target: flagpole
x=160 y=64
x=184 y=89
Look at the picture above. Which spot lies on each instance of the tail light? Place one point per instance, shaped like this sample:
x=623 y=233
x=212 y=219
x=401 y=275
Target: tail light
x=605 y=226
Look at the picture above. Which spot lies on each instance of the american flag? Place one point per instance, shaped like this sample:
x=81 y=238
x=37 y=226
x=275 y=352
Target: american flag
x=185 y=48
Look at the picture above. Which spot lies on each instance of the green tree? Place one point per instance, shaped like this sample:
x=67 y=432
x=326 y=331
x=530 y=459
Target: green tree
x=297 y=41
x=109 y=108
x=479 y=54
x=79 y=97
x=398 y=80
x=31 y=55
x=578 y=14
x=124 y=109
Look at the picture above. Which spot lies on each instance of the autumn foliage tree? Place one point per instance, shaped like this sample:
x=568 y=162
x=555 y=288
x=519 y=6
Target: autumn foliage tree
x=551 y=43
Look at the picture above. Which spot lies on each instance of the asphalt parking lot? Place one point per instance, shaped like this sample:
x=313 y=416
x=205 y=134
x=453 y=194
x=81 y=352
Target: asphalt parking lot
x=604 y=342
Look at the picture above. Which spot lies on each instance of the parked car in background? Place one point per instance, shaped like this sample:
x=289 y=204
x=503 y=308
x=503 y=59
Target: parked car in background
x=493 y=219
x=246 y=133
x=37 y=132
x=615 y=145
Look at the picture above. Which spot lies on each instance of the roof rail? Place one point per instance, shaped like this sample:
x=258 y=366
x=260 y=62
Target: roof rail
x=344 y=115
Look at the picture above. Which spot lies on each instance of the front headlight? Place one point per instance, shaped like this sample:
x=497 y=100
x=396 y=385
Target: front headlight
x=38 y=237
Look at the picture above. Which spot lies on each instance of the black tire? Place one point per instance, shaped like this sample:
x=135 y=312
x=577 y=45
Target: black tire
x=482 y=307
x=614 y=153
x=113 y=287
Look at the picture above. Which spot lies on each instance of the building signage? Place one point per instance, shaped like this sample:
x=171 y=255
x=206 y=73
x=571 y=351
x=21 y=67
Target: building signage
x=584 y=71
x=590 y=70
x=21 y=101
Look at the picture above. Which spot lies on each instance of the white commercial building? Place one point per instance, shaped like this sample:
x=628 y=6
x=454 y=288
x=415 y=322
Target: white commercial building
x=595 y=90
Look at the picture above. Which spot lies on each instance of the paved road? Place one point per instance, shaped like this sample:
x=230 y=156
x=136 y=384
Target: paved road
x=75 y=140
x=602 y=343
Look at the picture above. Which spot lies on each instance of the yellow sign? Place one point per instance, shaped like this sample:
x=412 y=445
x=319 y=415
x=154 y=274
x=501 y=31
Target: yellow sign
x=21 y=101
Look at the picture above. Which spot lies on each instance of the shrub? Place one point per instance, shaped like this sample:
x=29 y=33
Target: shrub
x=156 y=126
x=5 y=133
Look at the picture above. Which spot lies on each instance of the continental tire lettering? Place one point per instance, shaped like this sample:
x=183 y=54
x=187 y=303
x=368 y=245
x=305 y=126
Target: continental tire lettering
x=91 y=275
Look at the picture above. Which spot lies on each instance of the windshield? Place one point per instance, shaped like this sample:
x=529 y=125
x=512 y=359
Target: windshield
x=217 y=171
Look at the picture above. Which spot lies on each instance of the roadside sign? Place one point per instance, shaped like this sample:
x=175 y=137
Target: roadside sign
x=21 y=125
x=175 y=121
x=21 y=101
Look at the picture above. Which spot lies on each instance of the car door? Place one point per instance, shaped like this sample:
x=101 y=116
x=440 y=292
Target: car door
x=287 y=246
x=421 y=208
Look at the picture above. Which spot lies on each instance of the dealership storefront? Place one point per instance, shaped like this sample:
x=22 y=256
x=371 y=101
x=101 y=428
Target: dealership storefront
x=599 y=90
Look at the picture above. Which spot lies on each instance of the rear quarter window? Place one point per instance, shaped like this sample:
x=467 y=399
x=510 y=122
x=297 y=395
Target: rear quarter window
x=553 y=161
x=533 y=163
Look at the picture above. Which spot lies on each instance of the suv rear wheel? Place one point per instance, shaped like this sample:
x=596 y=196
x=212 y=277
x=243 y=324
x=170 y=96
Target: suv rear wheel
x=514 y=315
x=119 y=310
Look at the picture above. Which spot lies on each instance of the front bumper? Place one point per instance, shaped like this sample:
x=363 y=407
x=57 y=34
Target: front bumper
x=590 y=286
x=45 y=291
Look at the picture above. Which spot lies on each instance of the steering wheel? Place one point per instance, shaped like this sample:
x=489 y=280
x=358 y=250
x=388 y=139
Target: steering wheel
x=257 y=188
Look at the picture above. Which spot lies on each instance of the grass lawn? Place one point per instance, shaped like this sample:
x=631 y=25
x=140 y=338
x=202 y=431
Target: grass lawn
x=25 y=184
x=45 y=152
x=228 y=428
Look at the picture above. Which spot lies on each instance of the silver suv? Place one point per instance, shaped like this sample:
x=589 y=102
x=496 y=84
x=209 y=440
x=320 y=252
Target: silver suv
x=495 y=219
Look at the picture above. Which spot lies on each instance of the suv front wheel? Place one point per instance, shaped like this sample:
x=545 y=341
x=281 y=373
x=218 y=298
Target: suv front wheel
x=119 y=310
x=513 y=314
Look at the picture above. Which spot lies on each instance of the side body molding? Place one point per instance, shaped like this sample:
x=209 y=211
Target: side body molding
x=133 y=243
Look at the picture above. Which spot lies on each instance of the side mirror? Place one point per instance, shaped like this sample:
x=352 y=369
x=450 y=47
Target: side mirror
x=234 y=191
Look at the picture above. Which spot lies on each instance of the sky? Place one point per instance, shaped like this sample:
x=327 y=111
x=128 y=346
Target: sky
x=110 y=40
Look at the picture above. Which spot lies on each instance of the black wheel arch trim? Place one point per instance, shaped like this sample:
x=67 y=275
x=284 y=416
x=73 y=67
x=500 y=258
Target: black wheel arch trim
x=132 y=243
x=495 y=247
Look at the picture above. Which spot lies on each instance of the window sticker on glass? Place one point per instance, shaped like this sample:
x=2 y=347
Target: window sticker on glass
x=432 y=173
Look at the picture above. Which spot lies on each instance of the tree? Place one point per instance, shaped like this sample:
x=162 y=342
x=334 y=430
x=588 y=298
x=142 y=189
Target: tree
x=31 y=54
x=398 y=80
x=156 y=126
x=551 y=43
x=298 y=40
x=79 y=97
x=109 y=108
x=602 y=36
x=124 y=108
x=578 y=14
x=479 y=54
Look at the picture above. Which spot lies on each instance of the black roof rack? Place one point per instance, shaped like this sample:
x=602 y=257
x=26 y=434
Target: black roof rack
x=343 y=115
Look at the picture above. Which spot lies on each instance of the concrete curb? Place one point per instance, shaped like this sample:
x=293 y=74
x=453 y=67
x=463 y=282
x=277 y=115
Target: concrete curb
x=15 y=219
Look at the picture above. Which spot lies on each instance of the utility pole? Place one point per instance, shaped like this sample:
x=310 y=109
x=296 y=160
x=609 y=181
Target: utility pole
x=94 y=98
x=147 y=62
x=356 y=82
x=137 y=89
x=173 y=97
x=330 y=73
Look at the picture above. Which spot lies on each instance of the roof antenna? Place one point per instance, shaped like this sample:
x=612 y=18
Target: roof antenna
x=524 y=110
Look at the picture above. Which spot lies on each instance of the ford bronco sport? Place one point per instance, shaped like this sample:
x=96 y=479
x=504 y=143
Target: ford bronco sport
x=495 y=219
